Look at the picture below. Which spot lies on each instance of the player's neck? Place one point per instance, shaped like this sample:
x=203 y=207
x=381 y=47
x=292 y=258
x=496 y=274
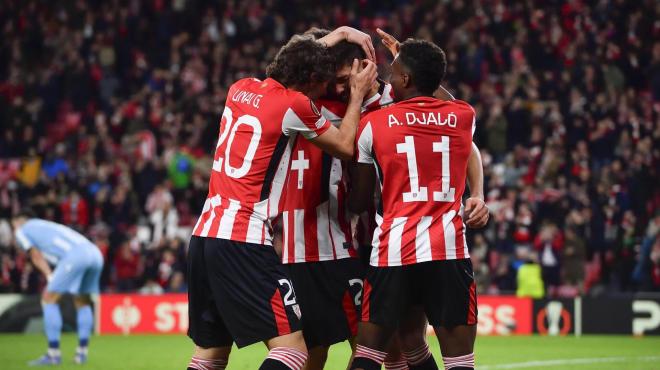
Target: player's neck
x=415 y=94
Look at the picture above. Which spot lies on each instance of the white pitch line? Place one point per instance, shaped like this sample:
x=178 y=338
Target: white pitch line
x=574 y=361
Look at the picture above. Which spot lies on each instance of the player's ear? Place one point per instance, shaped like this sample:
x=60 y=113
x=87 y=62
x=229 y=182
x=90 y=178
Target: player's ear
x=405 y=80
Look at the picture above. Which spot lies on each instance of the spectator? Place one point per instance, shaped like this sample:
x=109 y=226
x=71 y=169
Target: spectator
x=127 y=268
x=549 y=244
x=75 y=211
x=574 y=258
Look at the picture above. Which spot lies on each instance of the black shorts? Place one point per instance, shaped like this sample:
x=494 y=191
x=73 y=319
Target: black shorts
x=445 y=289
x=238 y=292
x=329 y=294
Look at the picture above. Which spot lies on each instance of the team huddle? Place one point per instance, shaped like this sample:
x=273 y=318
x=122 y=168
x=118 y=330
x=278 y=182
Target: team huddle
x=316 y=166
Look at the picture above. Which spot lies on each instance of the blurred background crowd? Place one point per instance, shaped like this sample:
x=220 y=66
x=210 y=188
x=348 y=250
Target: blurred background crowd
x=109 y=114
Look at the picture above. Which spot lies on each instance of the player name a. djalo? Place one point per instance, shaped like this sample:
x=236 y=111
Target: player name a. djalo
x=423 y=118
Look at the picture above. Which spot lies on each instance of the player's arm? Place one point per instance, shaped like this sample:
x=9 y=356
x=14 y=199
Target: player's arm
x=362 y=173
x=351 y=35
x=340 y=142
x=40 y=262
x=363 y=181
x=475 y=207
x=36 y=256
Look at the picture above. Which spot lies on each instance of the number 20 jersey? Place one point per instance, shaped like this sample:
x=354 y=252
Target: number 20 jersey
x=251 y=162
x=420 y=149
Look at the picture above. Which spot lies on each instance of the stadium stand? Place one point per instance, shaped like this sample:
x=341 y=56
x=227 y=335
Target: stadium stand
x=109 y=113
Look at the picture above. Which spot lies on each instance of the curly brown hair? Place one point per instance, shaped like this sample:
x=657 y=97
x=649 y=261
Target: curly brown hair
x=301 y=61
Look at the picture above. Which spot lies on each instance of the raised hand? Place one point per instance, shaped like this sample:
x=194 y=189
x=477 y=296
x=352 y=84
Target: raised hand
x=351 y=35
x=392 y=44
x=361 y=81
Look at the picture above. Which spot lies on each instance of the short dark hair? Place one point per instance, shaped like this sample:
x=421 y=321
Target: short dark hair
x=426 y=63
x=343 y=53
x=301 y=61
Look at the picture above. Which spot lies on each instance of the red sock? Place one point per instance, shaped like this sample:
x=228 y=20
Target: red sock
x=204 y=364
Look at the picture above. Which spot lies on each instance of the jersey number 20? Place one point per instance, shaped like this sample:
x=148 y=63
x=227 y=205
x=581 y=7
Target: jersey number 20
x=229 y=128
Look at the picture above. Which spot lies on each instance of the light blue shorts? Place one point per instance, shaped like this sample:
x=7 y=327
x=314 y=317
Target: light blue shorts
x=78 y=273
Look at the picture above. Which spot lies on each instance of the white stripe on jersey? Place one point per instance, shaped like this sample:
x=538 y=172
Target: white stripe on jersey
x=394 y=243
x=330 y=116
x=292 y=124
x=373 y=261
x=227 y=219
x=299 y=233
x=450 y=234
x=257 y=219
x=215 y=202
x=422 y=239
x=365 y=144
x=285 y=236
x=386 y=97
x=322 y=234
x=465 y=247
x=206 y=208
x=338 y=237
x=279 y=180
x=367 y=102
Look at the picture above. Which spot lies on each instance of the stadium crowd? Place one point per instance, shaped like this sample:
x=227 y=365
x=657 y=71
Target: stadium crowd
x=109 y=113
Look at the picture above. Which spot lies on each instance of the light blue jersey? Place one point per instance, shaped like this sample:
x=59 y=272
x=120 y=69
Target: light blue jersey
x=79 y=262
x=53 y=240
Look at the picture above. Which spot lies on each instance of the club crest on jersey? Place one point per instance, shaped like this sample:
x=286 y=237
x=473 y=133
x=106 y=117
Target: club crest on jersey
x=296 y=310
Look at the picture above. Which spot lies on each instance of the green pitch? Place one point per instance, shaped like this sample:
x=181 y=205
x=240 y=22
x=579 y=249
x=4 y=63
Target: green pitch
x=492 y=353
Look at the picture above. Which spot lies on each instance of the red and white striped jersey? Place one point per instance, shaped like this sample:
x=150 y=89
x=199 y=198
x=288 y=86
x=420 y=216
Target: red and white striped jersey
x=315 y=221
x=420 y=149
x=257 y=131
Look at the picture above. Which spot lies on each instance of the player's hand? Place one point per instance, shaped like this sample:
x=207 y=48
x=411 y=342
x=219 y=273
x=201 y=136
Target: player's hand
x=392 y=44
x=360 y=38
x=477 y=213
x=362 y=80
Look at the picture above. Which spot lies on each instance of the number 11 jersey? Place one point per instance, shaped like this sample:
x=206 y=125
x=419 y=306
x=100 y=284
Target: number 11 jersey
x=420 y=149
x=252 y=158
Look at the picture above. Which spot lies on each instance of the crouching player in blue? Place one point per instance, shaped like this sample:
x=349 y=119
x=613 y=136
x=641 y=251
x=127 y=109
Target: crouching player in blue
x=78 y=265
